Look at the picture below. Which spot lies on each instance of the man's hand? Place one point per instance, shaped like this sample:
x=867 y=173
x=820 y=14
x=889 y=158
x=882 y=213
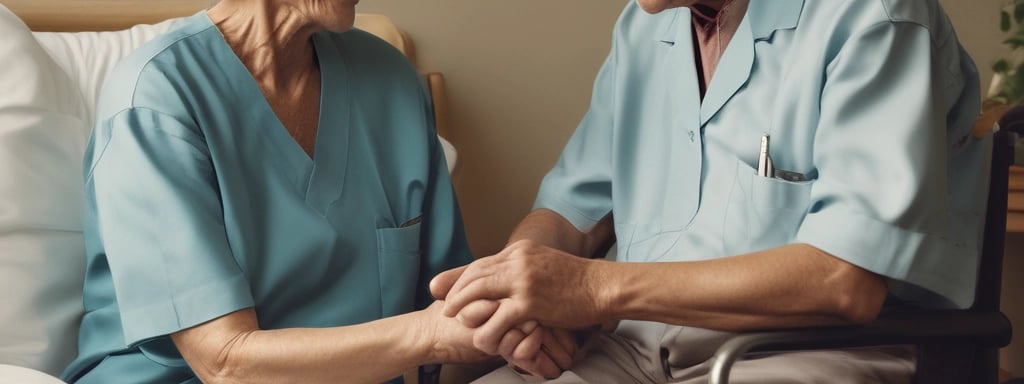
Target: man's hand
x=529 y=282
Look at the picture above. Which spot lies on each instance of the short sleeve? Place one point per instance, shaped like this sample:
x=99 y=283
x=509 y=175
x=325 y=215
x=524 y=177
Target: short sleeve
x=882 y=199
x=579 y=187
x=153 y=206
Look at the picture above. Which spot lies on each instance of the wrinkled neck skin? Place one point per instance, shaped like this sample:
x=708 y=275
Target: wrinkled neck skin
x=273 y=40
x=656 y=6
x=713 y=4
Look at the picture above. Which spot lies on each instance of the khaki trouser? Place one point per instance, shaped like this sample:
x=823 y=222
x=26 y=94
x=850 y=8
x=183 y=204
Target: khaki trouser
x=655 y=353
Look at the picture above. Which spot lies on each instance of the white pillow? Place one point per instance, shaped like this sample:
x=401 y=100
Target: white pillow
x=42 y=263
x=50 y=82
x=87 y=57
x=13 y=374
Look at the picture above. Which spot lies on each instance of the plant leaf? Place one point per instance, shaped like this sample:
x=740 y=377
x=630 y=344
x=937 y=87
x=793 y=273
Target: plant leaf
x=1001 y=66
x=1014 y=42
x=1012 y=88
x=1018 y=12
x=1004 y=24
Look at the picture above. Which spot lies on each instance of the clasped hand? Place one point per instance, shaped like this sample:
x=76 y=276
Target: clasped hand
x=523 y=302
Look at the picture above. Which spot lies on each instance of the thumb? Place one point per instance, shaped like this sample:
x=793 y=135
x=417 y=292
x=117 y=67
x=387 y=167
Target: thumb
x=443 y=282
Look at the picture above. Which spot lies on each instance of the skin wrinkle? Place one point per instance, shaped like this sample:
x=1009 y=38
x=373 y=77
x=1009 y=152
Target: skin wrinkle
x=231 y=348
x=713 y=29
x=276 y=47
x=656 y=6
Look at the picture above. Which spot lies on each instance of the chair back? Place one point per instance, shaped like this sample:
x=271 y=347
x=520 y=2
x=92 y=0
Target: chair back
x=988 y=289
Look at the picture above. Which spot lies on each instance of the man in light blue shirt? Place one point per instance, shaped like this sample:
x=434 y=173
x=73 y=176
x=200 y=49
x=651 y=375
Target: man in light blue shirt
x=877 y=192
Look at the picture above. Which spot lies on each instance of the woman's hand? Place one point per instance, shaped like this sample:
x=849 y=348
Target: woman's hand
x=529 y=347
x=448 y=340
x=544 y=352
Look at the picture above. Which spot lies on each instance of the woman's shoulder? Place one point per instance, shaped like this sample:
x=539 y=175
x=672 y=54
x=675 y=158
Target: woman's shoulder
x=152 y=70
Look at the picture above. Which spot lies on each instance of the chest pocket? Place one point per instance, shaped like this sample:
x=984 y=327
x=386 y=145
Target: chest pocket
x=763 y=212
x=398 y=252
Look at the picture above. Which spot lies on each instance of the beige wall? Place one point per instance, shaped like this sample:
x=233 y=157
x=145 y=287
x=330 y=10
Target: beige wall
x=977 y=25
x=518 y=75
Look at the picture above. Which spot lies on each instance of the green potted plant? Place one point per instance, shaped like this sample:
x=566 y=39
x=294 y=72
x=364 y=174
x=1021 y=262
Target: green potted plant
x=1007 y=86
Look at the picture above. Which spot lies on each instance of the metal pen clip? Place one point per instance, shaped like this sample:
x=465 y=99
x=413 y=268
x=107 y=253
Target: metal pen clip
x=764 y=160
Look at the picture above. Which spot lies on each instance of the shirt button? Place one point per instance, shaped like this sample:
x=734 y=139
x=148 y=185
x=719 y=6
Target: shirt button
x=691 y=136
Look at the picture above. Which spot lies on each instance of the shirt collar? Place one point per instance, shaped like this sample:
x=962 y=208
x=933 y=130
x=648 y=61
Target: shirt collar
x=766 y=17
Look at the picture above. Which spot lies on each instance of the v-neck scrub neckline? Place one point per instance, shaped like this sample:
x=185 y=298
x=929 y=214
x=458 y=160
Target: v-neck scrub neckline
x=320 y=177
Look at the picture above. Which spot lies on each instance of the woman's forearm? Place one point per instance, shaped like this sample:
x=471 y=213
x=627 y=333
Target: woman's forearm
x=232 y=349
x=367 y=353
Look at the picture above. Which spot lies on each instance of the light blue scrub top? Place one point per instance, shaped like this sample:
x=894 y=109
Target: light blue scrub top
x=872 y=100
x=200 y=203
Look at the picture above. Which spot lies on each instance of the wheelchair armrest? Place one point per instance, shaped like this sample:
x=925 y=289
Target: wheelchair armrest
x=919 y=327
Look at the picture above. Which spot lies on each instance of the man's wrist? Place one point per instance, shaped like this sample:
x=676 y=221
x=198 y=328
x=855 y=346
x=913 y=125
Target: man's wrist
x=606 y=289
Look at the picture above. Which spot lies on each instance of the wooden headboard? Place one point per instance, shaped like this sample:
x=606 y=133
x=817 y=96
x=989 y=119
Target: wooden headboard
x=99 y=15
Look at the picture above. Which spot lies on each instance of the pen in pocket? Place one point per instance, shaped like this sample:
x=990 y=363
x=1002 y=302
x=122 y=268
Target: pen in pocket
x=766 y=168
x=412 y=222
x=764 y=160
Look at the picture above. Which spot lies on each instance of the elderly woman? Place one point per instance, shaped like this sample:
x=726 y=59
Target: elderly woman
x=266 y=202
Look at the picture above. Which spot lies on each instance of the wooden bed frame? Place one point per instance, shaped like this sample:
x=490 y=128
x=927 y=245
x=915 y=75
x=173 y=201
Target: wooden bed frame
x=99 y=15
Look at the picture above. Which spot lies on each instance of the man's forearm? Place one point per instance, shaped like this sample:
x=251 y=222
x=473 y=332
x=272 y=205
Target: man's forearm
x=548 y=228
x=791 y=286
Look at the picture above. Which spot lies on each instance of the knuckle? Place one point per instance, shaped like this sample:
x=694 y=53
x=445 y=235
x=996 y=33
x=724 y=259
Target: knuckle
x=522 y=244
x=523 y=248
x=520 y=354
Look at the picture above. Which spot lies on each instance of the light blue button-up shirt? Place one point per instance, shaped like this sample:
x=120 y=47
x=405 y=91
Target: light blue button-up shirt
x=873 y=101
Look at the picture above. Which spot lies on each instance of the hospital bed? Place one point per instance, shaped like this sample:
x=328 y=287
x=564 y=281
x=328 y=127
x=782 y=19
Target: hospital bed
x=50 y=76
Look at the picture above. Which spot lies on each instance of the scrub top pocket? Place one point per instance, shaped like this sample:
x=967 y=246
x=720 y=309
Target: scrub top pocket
x=763 y=212
x=398 y=251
